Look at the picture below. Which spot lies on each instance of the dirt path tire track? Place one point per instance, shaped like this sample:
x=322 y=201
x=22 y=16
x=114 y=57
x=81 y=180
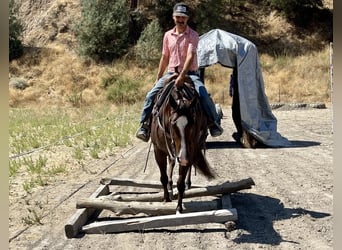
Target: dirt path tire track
x=290 y=207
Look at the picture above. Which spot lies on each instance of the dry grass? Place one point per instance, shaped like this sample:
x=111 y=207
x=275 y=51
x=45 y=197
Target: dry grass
x=301 y=79
x=56 y=77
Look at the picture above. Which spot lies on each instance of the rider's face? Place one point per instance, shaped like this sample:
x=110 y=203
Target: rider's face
x=181 y=21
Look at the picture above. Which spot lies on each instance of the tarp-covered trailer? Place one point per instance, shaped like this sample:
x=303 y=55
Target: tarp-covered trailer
x=252 y=113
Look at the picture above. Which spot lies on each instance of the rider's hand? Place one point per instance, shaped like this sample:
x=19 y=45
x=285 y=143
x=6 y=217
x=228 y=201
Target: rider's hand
x=180 y=81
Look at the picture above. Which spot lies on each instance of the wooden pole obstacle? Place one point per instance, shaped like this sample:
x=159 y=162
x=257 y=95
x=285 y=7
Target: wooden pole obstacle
x=82 y=215
x=159 y=214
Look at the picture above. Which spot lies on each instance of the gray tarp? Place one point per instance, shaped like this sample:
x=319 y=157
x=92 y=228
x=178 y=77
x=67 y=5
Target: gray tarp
x=219 y=46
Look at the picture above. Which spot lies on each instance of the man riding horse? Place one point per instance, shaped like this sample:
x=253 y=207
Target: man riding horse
x=179 y=55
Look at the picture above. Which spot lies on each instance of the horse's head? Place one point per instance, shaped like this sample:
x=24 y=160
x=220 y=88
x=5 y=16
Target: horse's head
x=183 y=102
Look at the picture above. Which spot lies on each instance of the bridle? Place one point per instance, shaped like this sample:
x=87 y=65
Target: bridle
x=177 y=107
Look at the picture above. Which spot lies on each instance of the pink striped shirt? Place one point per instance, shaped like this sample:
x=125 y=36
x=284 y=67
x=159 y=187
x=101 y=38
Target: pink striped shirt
x=177 y=46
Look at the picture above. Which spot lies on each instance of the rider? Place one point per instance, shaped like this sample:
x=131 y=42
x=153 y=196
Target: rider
x=179 y=54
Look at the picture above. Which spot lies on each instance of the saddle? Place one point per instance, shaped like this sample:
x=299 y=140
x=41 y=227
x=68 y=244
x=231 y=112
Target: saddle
x=188 y=90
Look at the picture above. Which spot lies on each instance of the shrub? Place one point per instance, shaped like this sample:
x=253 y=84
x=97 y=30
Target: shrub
x=300 y=12
x=163 y=10
x=103 y=29
x=15 y=32
x=121 y=90
x=148 y=48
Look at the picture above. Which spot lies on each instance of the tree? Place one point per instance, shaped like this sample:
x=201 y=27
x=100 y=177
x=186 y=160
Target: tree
x=164 y=10
x=148 y=48
x=15 y=32
x=300 y=12
x=102 y=30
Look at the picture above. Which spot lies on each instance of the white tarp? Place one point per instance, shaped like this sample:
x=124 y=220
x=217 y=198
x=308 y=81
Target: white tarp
x=229 y=50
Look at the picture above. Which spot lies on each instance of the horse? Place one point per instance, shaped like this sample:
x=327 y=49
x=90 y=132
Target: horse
x=179 y=129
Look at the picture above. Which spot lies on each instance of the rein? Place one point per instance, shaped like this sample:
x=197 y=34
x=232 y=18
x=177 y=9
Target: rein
x=161 y=125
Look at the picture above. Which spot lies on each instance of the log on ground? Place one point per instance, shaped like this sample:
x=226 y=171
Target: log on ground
x=81 y=216
x=140 y=224
x=148 y=208
x=135 y=183
x=224 y=188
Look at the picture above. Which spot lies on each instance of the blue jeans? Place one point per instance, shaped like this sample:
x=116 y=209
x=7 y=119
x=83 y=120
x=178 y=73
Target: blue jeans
x=206 y=102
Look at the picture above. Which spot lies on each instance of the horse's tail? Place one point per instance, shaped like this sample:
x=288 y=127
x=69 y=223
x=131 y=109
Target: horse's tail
x=203 y=166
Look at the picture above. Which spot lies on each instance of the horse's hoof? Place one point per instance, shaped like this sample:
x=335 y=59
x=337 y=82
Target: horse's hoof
x=179 y=209
x=170 y=195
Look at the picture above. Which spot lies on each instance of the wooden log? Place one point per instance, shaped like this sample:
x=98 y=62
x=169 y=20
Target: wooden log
x=134 y=183
x=129 y=182
x=226 y=202
x=148 y=208
x=225 y=188
x=140 y=224
x=81 y=216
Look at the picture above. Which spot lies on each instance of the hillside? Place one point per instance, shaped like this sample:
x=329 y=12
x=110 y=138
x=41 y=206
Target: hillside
x=55 y=74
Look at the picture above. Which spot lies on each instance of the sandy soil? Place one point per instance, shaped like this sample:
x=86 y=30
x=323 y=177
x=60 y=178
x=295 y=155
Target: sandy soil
x=290 y=206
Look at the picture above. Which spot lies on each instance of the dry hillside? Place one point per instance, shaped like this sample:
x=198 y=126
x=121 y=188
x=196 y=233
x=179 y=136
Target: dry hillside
x=54 y=72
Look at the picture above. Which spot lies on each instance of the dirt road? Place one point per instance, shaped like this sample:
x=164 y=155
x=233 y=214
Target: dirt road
x=290 y=206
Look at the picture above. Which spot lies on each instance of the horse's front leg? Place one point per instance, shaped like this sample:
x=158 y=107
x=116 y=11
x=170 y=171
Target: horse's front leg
x=161 y=159
x=170 y=177
x=181 y=187
x=188 y=179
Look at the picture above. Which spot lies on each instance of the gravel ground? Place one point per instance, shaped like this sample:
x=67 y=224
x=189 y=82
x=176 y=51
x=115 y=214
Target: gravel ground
x=290 y=206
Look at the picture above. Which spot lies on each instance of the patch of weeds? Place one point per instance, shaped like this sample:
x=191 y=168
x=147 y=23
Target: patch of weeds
x=94 y=151
x=37 y=166
x=28 y=186
x=35 y=215
x=56 y=170
x=75 y=99
x=68 y=142
x=14 y=166
x=88 y=132
x=41 y=181
x=33 y=141
x=78 y=153
x=35 y=181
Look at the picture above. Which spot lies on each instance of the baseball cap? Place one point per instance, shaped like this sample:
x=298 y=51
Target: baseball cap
x=181 y=9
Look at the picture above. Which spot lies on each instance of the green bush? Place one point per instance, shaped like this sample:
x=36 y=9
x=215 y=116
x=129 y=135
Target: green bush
x=102 y=30
x=148 y=48
x=121 y=90
x=211 y=14
x=300 y=12
x=163 y=10
x=15 y=32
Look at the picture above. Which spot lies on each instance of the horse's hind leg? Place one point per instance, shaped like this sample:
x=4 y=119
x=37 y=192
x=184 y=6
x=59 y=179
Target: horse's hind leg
x=161 y=159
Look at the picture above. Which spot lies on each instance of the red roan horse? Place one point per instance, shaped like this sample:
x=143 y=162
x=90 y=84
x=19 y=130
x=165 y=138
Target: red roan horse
x=178 y=132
